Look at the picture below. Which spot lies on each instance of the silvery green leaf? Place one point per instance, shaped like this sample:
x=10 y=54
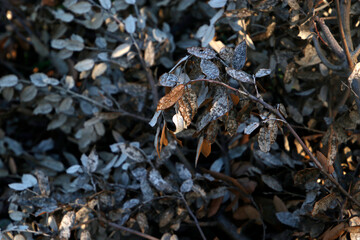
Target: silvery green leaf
x=52 y=164
x=103 y=56
x=131 y=203
x=154 y=119
x=168 y=80
x=201 y=31
x=121 y=50
x=217 y=165
x=98 y=70
x=159 y=35
x=186 y=186
x=105 y=4
x=69 y=3
x=29 y=180
x=59 y=43
x=239 y=57
x=28 y=93
x=38 y=79
x=74 y=45
x=208 y=36
x=217 y=16
x=84 y=65
x=101 y=42
x=289 y=219
x=8 y=93
x=9 y=80
x=95 y=21
x=66 y=104
x=80 y=7
x=18 y=186
x=205 y=53
x=184 y=4
x=44 y=145
x=271 y=182
x=217 y=3
x=57 y=122
x=262 y=72
x=134 y=153
x=130 y=1
x=64 y=54
x=90 y=162
x=63 y=16
x=14 y=145
x=130 y=24
x=239 y=75
x=16 y=216
x=209 y=69
x=52 y=81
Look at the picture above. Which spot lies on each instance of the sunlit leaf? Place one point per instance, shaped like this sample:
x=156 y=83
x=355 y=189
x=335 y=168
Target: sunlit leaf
x=171 y=98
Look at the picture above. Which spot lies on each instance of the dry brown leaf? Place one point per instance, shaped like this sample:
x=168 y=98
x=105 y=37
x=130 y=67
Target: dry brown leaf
x=163 y=139
x=324 y=162
x=247 y=212
x=323 y=204
x=335 y=232
x=206 y=148
x=188 y=106
x=214 y=206
x=279 y=204
x=171 y=98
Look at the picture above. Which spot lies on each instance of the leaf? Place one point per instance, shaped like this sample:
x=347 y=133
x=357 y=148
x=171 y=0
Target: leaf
x=158 y=182
x=43 y=108
x=58 y=43
x=130 y=24
x=262 y=72
x=29 y=180
x=149 y=55
x=65 y=225
x=98 y=70
x=208 y=36
x=251 y=127
x=327 y=202
x=171 y=98
x=80 y=7
x=28 y=94
x=132 y=2
x=188 y=106
x=209 y=69
x=324 y=162
x=9 y=80
x=271 y=182
x=221 y=105
x=217 y=3
x=18 y=186
x=132 y=152
x=106 y=4
x=289 y=219
x=121 y=50
x=163 y=139
x=206 y=148
x=240 y=75
x=179 y=123
x=74 y=169
x=205 y=53
x=84 y=65
x=168 y=80
x=38 y=79
x=186 y=186
x=239 y=57
x=267 y=134
x=198 y=149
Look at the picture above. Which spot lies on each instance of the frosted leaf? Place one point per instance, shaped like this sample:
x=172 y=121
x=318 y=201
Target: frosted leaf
x=240 y=75
x=105 y=4
x=59 y=43
x=130 y=24
x=84 y=65
x=209 y=69
x=38 y=79
x=158 y=182
x=239 y=57
x=28 y=94
x=80 y=7
x=205 y=53
x=101 y=42
x=251 y=127
x=168 y=80
x=221 y=105
x=98 y=70
x=66 y=223
x=262 y=72
x=186 y=186
x=217 y=3
x=9 y=80
x=90 y=162
x=121 y=50
x=183 y=172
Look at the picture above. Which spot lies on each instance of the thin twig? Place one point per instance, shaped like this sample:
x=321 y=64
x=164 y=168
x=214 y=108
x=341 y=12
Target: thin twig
x=293 y=132
x=114 y=225
x=193 y=216
x=322 y=57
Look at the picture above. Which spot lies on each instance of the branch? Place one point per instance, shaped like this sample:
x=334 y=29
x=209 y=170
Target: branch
x=293 y=132
x=323 y=58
